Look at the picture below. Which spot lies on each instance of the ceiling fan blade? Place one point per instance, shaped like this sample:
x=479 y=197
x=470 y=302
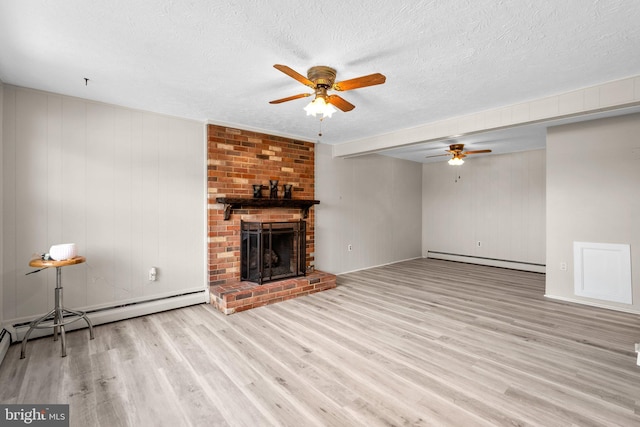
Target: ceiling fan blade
x=437 y=155
x=358 y=82
x=341 y=103
x=294 y=74
x=477 y=152
x=290 y=98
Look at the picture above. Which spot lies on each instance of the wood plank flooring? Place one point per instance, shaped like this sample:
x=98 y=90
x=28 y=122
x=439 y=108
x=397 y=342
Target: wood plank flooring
x=418 y=343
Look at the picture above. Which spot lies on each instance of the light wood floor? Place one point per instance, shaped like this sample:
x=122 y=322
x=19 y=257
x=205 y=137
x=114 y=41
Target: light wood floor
x=422 y=342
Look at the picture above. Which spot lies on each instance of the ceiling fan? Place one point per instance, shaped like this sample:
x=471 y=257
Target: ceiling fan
x=321 y=79
x=457 y=153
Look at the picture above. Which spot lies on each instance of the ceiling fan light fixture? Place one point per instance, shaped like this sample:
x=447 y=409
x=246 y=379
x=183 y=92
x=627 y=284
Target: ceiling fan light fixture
x=322 y=79
x=456 y=161
x=319 y=106
x=457 y=152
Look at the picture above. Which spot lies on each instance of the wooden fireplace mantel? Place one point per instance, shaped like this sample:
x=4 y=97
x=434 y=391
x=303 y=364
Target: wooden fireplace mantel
x=231 y=203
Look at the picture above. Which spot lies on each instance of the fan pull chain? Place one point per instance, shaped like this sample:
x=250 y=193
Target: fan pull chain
x=320 y=128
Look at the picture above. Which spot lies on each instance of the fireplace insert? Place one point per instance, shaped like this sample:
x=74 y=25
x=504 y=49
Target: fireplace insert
x=272 y=250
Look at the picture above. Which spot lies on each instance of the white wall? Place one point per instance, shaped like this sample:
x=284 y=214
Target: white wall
x=593 y=195
x=127 y=186
x=5 y=339
x=1 y=206
x=371 y=202
x=498 y=200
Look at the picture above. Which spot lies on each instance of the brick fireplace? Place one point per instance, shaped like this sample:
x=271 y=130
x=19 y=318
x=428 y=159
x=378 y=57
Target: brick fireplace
x=236 y=161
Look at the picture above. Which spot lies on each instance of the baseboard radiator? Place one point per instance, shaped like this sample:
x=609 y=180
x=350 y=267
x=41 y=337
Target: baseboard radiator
x=493 y=262
x=5 y=342
x=116 y=313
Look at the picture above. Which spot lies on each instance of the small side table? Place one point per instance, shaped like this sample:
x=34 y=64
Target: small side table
x=59 y=316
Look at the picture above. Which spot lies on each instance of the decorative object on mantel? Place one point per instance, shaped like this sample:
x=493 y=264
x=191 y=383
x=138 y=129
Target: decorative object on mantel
x=273 y=188
x=231 y=203
x=257 y=191
x=287 y=191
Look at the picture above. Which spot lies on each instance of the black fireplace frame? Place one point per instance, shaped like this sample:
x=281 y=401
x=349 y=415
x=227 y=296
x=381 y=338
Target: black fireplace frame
x=261 y=236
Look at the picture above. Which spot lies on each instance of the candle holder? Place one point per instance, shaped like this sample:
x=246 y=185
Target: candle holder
x=287 y=191
x=273 y=188
x=257 y=191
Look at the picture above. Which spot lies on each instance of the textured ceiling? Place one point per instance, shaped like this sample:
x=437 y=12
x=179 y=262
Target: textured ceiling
x=213 y=60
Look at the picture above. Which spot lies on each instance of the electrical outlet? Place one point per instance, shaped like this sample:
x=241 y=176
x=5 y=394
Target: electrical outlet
x=153 y=274
x=563 y=266
x=349 y=248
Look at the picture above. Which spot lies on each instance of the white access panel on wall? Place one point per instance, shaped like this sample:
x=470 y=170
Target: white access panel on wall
x=602 y=271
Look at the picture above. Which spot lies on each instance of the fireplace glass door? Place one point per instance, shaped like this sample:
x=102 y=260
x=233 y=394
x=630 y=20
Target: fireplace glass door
x=272 y=250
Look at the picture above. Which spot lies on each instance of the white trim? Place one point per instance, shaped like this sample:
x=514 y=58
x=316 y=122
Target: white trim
x=374 y=266
x=5 y=342
x=118 y=313
x=112 y=304
x=514 y=265
x=591 y=303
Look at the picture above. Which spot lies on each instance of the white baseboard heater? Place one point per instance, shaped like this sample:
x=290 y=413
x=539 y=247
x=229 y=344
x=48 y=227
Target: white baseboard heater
x=5 y=342
x=493 y=262
x=117 y=312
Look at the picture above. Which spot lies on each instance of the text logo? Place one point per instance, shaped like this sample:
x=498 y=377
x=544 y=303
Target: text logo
x=34 y=415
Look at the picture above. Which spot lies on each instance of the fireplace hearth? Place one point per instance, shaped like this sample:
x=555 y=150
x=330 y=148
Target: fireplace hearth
x=272 y=250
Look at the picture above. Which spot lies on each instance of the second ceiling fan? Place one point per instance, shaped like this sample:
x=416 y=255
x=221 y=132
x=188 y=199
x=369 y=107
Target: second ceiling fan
x=457 y=152
x=322 y=79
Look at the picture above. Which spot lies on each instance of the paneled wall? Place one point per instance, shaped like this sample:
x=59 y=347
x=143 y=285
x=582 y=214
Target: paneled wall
x=496 y=200
x=371 y=203
x=593 y=195
x=127 y=186
x=1 y=209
